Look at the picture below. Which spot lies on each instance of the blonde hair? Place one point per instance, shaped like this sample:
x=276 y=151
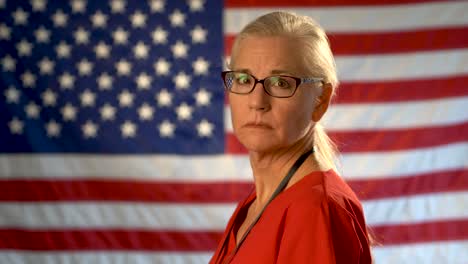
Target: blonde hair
x=318 y=59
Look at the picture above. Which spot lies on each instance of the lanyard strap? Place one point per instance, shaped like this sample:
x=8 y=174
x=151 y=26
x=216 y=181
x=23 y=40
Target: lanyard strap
x=278 y=190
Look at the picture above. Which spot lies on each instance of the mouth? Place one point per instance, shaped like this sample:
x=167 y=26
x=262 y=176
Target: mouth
x=260 y=125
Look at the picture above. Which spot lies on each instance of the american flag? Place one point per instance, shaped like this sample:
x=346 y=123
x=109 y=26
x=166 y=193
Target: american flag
x=116 y=144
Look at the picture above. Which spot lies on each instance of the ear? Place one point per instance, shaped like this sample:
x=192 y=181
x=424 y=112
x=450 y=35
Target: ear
x=323 y=101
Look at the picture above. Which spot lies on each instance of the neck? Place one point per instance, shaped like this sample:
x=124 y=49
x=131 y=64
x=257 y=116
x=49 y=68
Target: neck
x=269 y=168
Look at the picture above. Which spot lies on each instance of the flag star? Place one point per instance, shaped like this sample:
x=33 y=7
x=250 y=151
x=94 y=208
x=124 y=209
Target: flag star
x=5 y=32
x=196 y=5
x=8 y=63
x=85 y=67
x=81 y=36
x=162 y=66
x=59 y=18
x=49 y=98
x=38 y=5
x=107 y=112
x=125 y=99
x=179 y=49
x=12 y=95
x=120 y=36
x=102 y=50
x=164 y=98
x=89 y=129
x=159 y=35
x=63 y=50
x=177 y=18
x=156 y=6
x=198 y=34
x=28 y=79
x=87 y=98
x=138 y=19
x=46 y=66
x=200 y=66
x=166 y=129
x=143 y=81
x=78 y=6
x=42 y=35
x=141 y=50
x=205 y=128
x=145 y=111
x=20 y=17
x=53 y=128
x=16 y=126
x=104 y=81
x=24 y=48
x=32 y=110
x=68 y=112
x=182 y=80
x=117 y=6
x=66 y=80
x=99 y=19
x=202 y=97
x=184 y=112
x=123 y=67
x=128 y=129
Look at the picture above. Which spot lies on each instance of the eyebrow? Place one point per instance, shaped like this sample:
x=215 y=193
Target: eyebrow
x=280 y=72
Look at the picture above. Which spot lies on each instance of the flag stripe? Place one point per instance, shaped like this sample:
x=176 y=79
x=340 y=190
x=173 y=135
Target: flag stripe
x=167 y=216
x=118 y=239
x=391 y=18
x=422 y=232
x=398 y=90
x=214 y=192
x=392 y=164
x=389 y=42
x=381 y=140
x=414 y=114
x=299 y=3
x=104 y=257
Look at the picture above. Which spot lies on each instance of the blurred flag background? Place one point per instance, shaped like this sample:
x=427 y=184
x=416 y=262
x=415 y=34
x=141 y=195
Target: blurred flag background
x=116 y=144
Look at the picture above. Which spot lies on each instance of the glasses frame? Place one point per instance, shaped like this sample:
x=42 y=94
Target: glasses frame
x=298 y=80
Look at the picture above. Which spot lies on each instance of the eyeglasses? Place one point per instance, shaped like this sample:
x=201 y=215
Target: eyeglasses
x=280 y=86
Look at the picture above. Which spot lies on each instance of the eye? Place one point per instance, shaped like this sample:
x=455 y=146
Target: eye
x=280 y=82
x=242 y=79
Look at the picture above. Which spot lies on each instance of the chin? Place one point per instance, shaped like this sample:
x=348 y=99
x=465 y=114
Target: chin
x=257 y=143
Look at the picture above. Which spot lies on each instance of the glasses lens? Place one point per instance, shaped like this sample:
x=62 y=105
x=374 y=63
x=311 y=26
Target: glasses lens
x=239 y=82
x=280 y=86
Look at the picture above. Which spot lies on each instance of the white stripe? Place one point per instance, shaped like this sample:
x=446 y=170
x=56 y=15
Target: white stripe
x=103 y=257
x=412 y=209
x=454 y=252
x=417 y=208
x=413 y=114
x=221 y=168
x=364 y=18
x=103 y=215
x=430 y=64
x=400 y=66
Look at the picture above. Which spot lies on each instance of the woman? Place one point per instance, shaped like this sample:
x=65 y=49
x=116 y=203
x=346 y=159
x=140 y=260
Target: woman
x=280 y=84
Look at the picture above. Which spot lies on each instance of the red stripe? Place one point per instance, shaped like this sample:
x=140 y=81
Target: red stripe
x=139 y=240
x=389 y=42
x=109 y=239
x=229 y=192
x=399 y=90
x=434 y=182
x=317 y=3
x=421 y=232
x=402 y=90
x=382 y=140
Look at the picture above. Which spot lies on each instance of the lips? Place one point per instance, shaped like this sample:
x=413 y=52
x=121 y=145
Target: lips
x=257 y=125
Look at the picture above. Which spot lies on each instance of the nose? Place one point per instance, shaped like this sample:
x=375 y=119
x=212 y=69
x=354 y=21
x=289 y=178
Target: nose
x=258 y=99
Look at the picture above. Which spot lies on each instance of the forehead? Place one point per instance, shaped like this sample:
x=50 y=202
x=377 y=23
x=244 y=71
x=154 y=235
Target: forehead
x=269 y=54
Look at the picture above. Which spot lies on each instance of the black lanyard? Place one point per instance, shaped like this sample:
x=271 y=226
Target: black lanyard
x=279 y=189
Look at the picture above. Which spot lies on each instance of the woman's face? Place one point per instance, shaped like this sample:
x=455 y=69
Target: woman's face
x=263 y=123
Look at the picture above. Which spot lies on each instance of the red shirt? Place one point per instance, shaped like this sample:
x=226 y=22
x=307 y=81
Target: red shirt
x=317 y=220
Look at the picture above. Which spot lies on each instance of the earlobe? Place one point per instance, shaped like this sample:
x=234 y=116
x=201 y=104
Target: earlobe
x=323 y=101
